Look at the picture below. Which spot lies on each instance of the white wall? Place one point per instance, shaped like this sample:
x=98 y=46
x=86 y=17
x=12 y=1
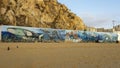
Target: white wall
x=118 y=33
x=118 y=36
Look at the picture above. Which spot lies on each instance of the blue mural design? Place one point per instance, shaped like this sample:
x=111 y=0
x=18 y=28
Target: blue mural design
x=30 y=34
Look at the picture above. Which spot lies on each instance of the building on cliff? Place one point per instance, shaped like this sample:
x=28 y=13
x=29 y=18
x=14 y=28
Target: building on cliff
x=117 y=28
x=92 y=29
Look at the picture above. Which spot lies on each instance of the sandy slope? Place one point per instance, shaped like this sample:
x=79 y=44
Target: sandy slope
x=60 y=55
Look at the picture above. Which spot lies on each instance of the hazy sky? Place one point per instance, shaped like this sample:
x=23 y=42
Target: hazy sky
x=97 y=13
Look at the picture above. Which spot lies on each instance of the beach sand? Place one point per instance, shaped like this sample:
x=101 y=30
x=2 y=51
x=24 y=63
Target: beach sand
x=60 y=55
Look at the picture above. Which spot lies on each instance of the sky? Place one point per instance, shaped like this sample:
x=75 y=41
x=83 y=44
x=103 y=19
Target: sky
x=96 y=13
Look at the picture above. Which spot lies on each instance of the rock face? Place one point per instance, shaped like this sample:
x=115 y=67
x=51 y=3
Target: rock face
x=38 y=13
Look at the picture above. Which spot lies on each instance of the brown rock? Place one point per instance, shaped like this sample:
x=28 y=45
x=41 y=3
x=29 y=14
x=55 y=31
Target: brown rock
x=39 y=13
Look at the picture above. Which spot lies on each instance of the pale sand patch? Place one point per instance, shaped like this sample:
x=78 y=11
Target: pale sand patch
x=60 y=55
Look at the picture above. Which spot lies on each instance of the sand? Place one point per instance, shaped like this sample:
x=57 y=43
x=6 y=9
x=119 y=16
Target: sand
x=60 y=55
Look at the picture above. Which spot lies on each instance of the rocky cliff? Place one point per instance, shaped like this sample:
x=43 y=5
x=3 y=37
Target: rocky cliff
x=38 y=13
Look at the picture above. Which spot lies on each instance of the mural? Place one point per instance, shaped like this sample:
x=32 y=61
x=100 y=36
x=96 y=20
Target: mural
x=72 y=35
x=30 y=34
x=52 y=35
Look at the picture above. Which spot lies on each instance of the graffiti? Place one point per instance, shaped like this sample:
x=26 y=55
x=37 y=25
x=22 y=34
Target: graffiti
x=30 y=34
x=72 y=35
x=52 y=35
x=19 y=34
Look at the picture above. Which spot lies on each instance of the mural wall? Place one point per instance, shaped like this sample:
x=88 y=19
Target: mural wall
x=0 y=32
x=30 y=34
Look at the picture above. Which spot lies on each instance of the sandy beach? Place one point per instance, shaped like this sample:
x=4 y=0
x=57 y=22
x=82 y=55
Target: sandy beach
x=60 y=55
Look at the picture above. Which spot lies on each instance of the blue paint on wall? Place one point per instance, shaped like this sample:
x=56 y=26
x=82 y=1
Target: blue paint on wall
x=30 y=34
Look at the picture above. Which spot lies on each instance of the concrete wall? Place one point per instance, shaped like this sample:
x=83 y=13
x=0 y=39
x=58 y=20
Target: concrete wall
x=31 y=34
x=118 y=33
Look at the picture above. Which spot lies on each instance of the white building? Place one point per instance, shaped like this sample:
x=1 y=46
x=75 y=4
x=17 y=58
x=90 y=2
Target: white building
x=92 y=29
x=117 y=28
